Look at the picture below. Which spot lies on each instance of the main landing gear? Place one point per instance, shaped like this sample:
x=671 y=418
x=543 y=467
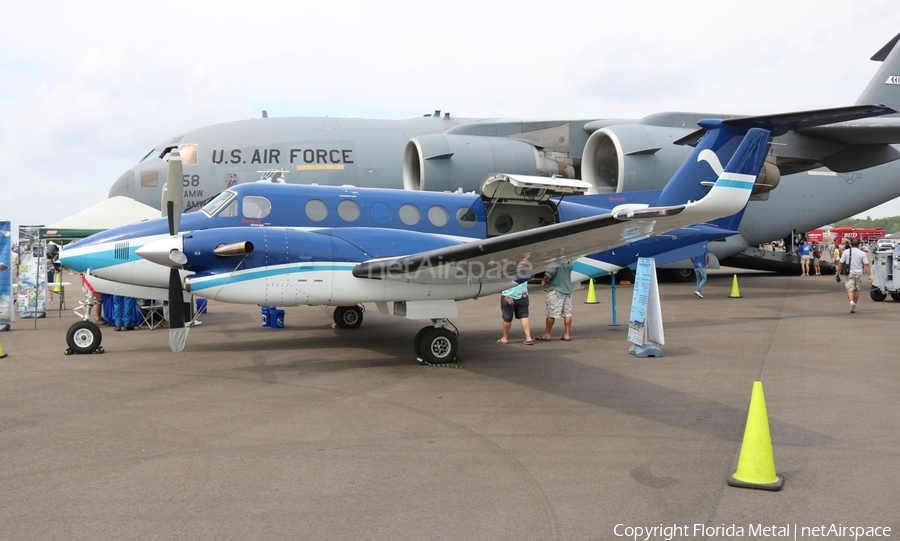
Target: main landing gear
x=349 y=317
x=436 y=345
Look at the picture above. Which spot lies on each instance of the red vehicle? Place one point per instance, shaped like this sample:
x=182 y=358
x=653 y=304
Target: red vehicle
x=864 y=234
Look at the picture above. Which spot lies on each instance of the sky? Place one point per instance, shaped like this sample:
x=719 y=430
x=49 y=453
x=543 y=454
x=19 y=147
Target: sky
x=87 y=88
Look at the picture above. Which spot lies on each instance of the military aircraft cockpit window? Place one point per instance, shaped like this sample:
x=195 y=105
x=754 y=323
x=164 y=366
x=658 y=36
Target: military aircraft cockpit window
x=256 y=207
x=438 y=216
x=316 y=210
x=410 y=214
x=348 y=210
x=188 y=154
x=465 y=216
x=217 y=202
x=151 y=153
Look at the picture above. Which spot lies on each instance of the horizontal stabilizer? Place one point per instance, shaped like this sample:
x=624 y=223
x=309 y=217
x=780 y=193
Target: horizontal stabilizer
x=781 y=123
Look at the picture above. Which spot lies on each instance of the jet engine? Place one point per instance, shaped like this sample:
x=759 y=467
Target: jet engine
x=629 y=157
x=447 y=162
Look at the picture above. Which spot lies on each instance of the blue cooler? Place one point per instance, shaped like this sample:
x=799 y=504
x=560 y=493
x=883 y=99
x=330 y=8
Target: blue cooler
x=201 y=306
x=277 y=318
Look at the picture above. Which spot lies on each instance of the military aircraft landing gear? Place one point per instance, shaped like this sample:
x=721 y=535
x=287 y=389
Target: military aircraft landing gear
x=436 y=345
x=349 y=317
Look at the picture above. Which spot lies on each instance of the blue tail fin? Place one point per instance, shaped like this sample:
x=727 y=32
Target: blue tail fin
x=703 y=166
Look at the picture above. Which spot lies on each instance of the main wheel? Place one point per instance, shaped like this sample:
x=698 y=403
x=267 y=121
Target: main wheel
x=348 y=317
x=877 y=295
x=438 y=345
x=417 y=341
x=84 y=337
x=895 y=296
x=682 y=275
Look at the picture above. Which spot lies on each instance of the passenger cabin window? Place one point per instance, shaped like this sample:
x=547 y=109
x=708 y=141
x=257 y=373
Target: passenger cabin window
x=410 y=214
x=348 y=210
x=149 y=179
x=316 y=210
x=465 y=216
x=256 y=207
x=217 y=202
x=438 y=216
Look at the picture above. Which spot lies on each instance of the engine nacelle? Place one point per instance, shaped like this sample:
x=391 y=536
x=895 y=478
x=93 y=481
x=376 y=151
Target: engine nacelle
x=448 y=162
x=766 y=181
x=630 y=157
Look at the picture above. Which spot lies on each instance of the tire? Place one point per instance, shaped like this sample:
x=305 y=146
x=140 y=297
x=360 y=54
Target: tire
x=682 y=275
x=438 y=345
x=895 y=296
x=417 y=341
x=348 y=317
x=84 y=337
x=877 y=295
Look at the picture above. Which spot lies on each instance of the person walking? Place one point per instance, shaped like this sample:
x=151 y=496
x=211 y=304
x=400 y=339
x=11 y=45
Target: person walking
x=804 y=251
x=558 y=284
x=858 y=262
x=701 y=262
x=514 y=302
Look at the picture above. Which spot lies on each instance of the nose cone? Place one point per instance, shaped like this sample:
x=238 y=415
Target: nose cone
x=167 y=252
x=124 y=185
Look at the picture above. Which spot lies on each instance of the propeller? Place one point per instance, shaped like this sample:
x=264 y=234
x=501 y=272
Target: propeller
x=174 y=193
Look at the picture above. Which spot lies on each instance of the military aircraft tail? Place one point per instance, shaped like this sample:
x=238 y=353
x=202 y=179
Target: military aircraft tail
x=885 y=85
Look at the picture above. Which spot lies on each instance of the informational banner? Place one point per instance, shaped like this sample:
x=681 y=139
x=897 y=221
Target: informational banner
x=32 y=274
x=645 y=324
x=7 y=314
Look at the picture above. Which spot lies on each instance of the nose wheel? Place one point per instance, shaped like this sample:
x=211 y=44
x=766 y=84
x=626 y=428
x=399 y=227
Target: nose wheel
x=84 y=337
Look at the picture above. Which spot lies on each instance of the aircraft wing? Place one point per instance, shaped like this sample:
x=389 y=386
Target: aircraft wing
x=517 y=255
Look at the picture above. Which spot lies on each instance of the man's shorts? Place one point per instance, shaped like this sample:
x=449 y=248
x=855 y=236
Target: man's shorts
x=510 y=307
x=853 y=282
x=558 y=304
x=804 y=258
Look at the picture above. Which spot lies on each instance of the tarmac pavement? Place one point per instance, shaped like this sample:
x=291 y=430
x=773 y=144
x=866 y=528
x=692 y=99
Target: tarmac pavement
x=312 y=433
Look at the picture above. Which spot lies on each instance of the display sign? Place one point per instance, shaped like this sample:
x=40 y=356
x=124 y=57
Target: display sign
x=31 y=297
x=7 y=314
x=645 y=324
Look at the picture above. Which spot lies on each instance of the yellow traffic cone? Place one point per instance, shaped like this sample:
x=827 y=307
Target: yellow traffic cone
x=592 y=297
x=756 y=465
x=2 y=355
x=735 y=292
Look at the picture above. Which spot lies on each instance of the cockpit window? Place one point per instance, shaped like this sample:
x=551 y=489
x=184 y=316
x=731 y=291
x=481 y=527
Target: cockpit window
x=151 y=153
x=256 y=207
x=230 y=211
x=188 y=154
x=217 y=202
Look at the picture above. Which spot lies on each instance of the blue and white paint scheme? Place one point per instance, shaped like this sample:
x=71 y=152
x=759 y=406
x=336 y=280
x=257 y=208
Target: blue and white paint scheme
x=291 y=245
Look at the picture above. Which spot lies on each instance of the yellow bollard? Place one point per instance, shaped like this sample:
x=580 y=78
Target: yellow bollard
x=756 y=465
x=735 y=292
x=591 y=297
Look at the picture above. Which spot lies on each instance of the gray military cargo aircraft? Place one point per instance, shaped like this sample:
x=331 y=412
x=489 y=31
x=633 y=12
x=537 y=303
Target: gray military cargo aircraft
x=813 y=176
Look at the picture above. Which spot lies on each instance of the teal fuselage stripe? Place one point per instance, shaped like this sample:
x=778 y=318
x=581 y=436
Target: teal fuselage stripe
x=199 y=284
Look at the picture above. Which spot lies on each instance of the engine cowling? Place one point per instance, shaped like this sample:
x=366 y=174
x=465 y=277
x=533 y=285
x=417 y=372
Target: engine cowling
x=630 y=157
x=444 y=162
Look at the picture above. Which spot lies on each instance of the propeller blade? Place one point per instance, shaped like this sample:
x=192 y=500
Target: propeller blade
x=174 y=191
x=177 y=330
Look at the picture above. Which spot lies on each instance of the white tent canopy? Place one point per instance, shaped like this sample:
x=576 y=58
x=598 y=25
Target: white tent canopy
x=113 y=212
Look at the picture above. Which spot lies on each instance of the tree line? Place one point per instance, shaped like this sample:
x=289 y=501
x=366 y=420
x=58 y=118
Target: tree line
x=891 y=224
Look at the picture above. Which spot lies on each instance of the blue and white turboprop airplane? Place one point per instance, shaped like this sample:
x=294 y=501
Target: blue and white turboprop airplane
x=423 y=251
